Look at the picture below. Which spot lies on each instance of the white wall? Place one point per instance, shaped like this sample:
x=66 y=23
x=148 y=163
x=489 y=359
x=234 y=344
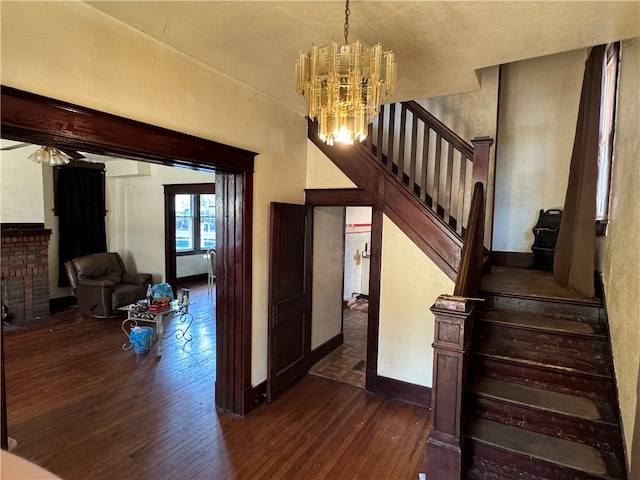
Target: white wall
x=21 y=185
x=410 y=283
x=539 y=101
x=135 y=223
x=619 y=257
x=328 y=248
x=357 y=238
x=100 y=63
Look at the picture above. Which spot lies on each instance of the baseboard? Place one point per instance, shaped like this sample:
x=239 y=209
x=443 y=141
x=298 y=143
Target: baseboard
x=62 y=303
x=200 y=277
x=405 y=391
x=326 y=348
x=512 y=259
x=254 y=397
x=257 y=395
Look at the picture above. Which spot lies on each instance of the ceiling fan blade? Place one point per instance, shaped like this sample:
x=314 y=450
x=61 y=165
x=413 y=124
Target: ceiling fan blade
x=13 y=147
x=73 y=154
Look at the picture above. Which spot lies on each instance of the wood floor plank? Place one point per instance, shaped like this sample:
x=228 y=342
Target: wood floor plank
x=83 y=408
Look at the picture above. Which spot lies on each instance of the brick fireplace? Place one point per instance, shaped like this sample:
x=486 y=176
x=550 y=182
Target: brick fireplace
x=25 y=270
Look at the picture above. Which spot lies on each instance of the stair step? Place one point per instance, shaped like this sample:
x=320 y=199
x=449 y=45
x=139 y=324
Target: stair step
x=549 y=331
x=566 y=459
x=554 y=402
x=589 y=310
x=546 y=323
x=561 y=415
x=590 y=386
x=567 y=360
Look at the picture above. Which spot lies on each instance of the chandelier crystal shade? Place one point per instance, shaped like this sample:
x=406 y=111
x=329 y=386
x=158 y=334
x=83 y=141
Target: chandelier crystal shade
x=49 y=155
x=343 y=85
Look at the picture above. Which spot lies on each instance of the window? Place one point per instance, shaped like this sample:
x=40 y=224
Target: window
x=195 y=222
x=606 y=131
x=190 y=216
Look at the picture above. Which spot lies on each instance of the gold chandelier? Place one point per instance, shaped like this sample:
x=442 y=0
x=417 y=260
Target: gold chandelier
x=343 y=85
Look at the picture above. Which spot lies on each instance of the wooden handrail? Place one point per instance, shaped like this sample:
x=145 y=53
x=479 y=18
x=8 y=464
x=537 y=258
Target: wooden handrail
x=430 y=160
x=446 y=133
x=470 y=270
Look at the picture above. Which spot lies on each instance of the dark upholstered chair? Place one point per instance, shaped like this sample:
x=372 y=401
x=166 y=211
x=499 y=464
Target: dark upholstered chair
x=101 y=283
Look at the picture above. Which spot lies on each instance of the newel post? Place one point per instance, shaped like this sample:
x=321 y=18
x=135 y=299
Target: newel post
x=481 y=151
x=452 y=337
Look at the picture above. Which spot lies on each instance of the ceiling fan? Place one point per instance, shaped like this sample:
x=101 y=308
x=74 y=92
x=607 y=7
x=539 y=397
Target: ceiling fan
x=54 y=156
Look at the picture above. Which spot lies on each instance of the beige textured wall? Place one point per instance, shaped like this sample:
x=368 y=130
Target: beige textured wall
x=620 y=250
x=322 y=172
x=70 y=51
x=473 y=114
x=470 y=114
x=328 y=258
x=538 y=110
x=410 y=282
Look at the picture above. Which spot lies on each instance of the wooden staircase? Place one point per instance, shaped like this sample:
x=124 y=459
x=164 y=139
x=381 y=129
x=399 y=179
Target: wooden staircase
x=418 y=172
x=523 y=384
x=541 y=400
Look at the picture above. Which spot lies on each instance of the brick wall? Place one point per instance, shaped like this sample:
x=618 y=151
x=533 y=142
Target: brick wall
x=24 y=260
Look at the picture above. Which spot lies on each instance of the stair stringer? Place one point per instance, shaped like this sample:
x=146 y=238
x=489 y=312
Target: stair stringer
x=437 y=240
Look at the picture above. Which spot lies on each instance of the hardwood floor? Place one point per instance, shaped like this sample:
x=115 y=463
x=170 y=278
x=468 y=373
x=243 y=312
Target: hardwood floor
x=84 y=409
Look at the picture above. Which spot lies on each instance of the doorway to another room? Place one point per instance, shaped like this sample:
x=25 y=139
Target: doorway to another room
x=347 y=363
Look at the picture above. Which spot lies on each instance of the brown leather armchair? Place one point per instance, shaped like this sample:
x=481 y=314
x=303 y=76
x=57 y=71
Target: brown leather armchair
x=101 y=283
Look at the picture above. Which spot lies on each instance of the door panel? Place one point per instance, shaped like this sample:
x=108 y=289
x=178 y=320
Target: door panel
x=289 y=331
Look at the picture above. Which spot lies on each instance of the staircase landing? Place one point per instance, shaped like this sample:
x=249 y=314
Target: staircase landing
x=529 y=282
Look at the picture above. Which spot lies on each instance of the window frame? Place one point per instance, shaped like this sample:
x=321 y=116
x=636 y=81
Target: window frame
x=195 y=190
x=603 y=189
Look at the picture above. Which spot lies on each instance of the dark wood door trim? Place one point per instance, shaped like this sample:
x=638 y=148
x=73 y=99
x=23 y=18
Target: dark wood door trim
x=373 y=322
x=337 y=197
x=36 y=119
x=4 y=438
x=233 y=293
x=42 y=120
x=357 y=197
x=170 y=253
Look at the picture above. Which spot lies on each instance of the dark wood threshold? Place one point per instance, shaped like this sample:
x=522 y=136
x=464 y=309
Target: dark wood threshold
x=326 y=348
x=405 y=391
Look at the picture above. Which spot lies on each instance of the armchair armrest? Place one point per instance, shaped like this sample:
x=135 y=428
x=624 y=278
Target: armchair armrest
x=90 y=282
x=136 y=278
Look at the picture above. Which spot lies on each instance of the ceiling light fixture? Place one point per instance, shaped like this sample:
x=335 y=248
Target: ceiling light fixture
x=343 y=85
x=50 y=155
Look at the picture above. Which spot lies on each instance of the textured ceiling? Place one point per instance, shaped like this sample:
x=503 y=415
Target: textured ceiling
x=439 y=46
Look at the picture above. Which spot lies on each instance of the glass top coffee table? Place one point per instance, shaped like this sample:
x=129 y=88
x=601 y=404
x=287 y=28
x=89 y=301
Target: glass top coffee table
x=138 y=312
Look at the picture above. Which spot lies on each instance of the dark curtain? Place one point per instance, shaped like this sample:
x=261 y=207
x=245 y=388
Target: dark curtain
x=574 y=261
x=80 y=206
